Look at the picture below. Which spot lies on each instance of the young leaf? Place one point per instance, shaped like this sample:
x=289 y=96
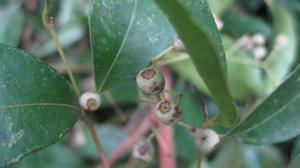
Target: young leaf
x=276 y=119
x=124 y=36
x=37 y=105
x=204 y=53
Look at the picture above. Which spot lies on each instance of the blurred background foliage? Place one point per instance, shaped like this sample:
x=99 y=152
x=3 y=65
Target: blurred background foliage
x=21 y=26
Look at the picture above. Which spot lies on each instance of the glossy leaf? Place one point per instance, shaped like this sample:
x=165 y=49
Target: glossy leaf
x=276 y=119
x=124 y=94
x=57 y=156
x=37 y=105
x=124 y=36
x=200 y=13
x=207 y=56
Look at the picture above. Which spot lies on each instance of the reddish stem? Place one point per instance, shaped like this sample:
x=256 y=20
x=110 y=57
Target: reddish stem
x=167 y=157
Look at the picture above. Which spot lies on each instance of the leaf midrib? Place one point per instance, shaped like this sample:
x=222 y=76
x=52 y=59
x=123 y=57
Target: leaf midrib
x=38 y=104
x=270 y=117
x=133 y=15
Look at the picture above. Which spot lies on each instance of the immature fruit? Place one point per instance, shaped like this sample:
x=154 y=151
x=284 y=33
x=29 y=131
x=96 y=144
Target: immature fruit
x=167 y=112
x=143 y=150
x=206 y=140
x=90 y=101
x=150 y=81
x=260 y=52
x=259 y=39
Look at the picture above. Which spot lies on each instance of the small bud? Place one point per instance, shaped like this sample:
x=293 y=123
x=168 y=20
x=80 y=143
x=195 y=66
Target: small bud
x=167 y=112
x=206 y=140
x=281 y=42
x=90 y=101
x=260 y=52
x=150 y=81
x=246 y=42
x=178 y=45
x=259 y=39
x=143 y=150
x=219 y=22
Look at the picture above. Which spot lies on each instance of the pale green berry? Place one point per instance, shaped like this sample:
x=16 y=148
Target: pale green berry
x=259 y=39
x=167 y=112
x=143 y=150
x=90 y=101
x=150 y=81
x=260 y=52
x=206 y=140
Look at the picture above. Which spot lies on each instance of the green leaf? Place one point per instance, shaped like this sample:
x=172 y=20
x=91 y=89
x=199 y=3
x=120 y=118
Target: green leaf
x=276 y=119
x=124 y=36
x=240 y=24
x=124 y=94
x=244 y=80
x=56 y=156
x=206 y=56
x=37 y=105
x=186 y=69
x=12 y=22
x=200 y=13
x=280 y=63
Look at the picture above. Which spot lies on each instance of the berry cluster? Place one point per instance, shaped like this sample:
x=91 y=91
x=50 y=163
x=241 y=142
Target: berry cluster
x=256 y=44
x=151 y=82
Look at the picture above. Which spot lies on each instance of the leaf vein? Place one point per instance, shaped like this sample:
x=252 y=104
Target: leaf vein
x=271 y=116
x=38 y=104
x=133 y=15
